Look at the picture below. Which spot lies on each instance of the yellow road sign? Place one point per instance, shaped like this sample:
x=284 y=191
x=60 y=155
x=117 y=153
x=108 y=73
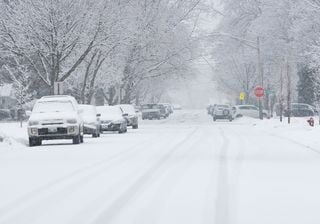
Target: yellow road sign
x=242 y=96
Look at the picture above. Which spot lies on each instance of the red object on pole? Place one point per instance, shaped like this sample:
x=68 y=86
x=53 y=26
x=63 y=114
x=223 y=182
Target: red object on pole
x=259 y=91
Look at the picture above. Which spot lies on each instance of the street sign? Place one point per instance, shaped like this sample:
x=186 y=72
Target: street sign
x=242 y=95
x=259 y=91
x=58 y=88
x=270 y=92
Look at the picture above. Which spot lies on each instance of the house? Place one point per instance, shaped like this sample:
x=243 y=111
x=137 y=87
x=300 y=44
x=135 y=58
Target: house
x=7 y=101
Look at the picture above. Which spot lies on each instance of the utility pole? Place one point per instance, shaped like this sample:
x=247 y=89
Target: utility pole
x=260 y=73
x=281 y=94
x=288 y=90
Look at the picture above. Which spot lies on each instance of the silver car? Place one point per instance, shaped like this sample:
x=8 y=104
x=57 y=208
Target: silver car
x=222 y=112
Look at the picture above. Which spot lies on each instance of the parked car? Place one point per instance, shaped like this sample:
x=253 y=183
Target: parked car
x=112 y=119
x=210 y=109
x=164 y=110
x=245 y=110
x=130 y=115
x=5 y=114
x=300 y=110
x=151 y=111
x=55 y=117
x=222 y=112
x=91 y=120
x=169 y=107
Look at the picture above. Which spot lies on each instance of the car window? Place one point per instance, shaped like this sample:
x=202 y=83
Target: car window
x=53 y=106
x=128 y=109
x=88 y=110
x=253 y=108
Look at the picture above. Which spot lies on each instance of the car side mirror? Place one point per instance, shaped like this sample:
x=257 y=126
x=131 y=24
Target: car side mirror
x=125 y=115
x=98 y=115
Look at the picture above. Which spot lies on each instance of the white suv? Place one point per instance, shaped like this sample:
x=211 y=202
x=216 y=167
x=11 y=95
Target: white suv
x=55 y=117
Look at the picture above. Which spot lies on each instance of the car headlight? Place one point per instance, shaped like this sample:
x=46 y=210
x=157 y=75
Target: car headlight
x=72 y=129
x=34 y=131
x=33 y=123
x=72 y=121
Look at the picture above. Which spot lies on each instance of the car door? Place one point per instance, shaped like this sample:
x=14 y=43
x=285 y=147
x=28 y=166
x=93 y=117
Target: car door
x=254 y=111
x=244 y=110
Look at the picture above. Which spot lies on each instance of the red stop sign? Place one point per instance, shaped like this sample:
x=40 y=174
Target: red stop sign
x=259 y=91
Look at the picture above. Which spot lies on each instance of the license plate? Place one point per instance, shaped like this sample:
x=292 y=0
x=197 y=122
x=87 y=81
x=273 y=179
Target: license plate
x=52 y=130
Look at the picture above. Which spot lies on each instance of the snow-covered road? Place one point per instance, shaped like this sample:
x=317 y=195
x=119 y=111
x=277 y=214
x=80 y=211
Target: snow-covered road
x=185 y=170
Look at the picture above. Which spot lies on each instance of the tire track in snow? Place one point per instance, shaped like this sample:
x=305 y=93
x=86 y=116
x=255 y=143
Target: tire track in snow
x=176 y=172
x=222 y=209
x=111 y=212
x=67 y=183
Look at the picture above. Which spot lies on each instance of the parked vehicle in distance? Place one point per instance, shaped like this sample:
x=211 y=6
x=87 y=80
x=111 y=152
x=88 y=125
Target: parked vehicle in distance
x=55 y=117
x=245 y=110
x=222 y=112
x=177 y=107
x=151 y=111
x=164 y=113
x=169 y=107
x=297 y=110
x=164 y=110
x=300 y=110
x=210 y=109
x=5 y=114
x=91 y=120
x=130 y=115
x=112 y=119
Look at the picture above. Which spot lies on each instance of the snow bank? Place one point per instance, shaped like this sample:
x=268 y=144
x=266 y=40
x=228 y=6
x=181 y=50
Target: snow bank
x=12 y=136
x=4 y=140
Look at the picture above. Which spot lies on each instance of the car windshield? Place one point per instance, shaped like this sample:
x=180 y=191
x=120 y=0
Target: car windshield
x=53 y=106
x=300 y=106
x=128 y=109
x=150 y=106
x=109 y=110
x=88 y=110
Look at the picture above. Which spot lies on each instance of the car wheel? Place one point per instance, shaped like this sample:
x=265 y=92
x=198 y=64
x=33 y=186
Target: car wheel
x=81 y=138
x=135 y=126
x=76 y=139
x=34 y=142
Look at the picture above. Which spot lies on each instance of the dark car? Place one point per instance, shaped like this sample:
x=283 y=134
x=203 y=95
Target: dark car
x=300 y=110
x=130 y=115
x=164 y=110
x=151 y=111
x=112 y=119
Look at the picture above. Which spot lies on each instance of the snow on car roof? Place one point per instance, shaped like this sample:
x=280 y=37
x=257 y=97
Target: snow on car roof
x=109 y=109
x=127 y=108
x=56 y=97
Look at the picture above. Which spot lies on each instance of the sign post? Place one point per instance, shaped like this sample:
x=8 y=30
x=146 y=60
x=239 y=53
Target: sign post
x=259 y=93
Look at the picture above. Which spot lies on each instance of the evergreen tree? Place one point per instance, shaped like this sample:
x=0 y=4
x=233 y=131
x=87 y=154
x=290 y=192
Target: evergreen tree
x=308 y=85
